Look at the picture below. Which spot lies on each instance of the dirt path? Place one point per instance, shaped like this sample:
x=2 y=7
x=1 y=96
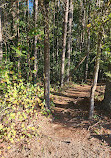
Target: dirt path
x=69 y=134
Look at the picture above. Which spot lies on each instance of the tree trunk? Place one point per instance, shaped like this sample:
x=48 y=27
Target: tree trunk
x=1 y=52
x=81 y=25
x=64 y=41
x=53 y=53
x=88 y=45
x=86 y=69
x=98 y=3
x=94 y=84
x=28 y=55
x=18 y=34
x=107 y=97
x=88 y=50
x=57 y=38
x=46 y=56
x=35 y=39
x=69 y=38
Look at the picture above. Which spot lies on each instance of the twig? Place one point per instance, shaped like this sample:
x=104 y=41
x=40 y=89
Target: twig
x=5 y=109
x=94 y=125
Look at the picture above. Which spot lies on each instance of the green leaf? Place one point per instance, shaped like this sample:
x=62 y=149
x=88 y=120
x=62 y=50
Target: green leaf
x=1 y=126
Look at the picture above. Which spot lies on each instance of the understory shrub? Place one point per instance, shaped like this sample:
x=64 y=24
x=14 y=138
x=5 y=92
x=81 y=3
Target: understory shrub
x=18 y=109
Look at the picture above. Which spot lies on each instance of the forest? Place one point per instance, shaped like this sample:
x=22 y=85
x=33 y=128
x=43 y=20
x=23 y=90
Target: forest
x=55 y=78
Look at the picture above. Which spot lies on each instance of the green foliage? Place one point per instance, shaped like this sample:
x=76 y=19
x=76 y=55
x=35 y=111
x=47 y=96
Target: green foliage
x=4 y=79
x=18 y=108
x=108 y=74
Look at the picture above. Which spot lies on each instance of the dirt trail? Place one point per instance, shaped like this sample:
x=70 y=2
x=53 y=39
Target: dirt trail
x=69 y=134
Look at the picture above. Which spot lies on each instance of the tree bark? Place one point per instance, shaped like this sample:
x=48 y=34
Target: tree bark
x=107 y=97
x=53 y=53
x=69 y=38
x=1 y=52
x=88 y=48
x=18 y=34
x=64 y=41
x=57 y=38
x=81 y=26
x=46 y=56
x=87 y=62
x=35 y=39
x=28 y=55
x=95 y=76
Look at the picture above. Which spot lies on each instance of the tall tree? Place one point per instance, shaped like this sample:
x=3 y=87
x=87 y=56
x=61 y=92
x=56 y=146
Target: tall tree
x=94 y=84
x=64 y=40
x=1 y=52
x=35 y=38
x=88 y=45
x=57 y=36
x=28 y=54
x=81 y=25
x=18 y=34
x=46 y=55
x=69 y=38
x=107 y=97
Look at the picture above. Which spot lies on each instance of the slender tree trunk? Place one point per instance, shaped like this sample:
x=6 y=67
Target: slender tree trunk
x=46 y=56
x=106 y=104
x=57 y=38
x=53 y=53
x=84 y=22
x=54 y=33
x=12 y=20
x=81 y=26
x=28 y=55
x=94 y=84
x=87 y=62
x=18 y=34
x=107 y=97
x=78 y=65
x=69 y=38
x=98 y=3
x=35 y=39
x=64 y=41
x=1 y=52
x=88 y=47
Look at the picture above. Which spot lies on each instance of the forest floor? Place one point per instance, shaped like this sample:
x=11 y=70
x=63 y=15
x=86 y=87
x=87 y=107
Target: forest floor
x=68 y=133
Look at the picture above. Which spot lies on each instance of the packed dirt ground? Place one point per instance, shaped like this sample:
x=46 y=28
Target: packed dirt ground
x=68 y=133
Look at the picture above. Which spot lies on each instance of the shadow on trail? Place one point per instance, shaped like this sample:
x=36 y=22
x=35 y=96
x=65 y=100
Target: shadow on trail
x=104 y=138
x=63 y=95
x=81 y=104
x=73 y=114
x=78 y=111
x=75 y=110
x=72 y=110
